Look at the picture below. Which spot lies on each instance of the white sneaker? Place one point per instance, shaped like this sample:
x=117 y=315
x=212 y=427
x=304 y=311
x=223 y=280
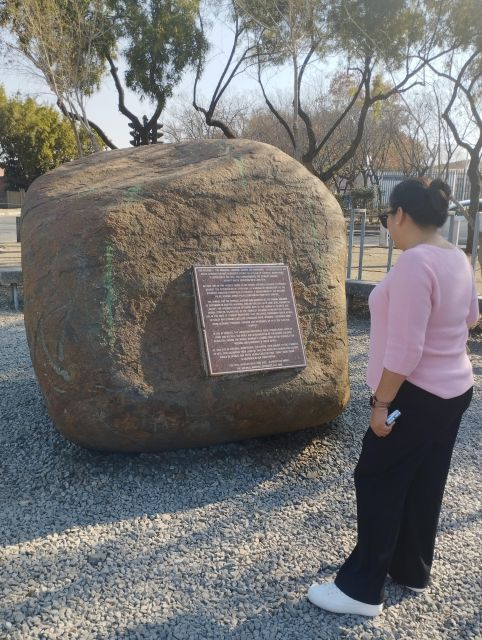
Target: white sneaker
x=329 y=597
x=415 y=589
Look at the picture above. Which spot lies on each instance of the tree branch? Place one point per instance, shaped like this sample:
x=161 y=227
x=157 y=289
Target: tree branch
x=95 y=127
x=273 y=109
x=217 y=97
x=238 y=31
x=339 y=120
x=156 y=114
x=120 y=91
x=208 y=113
x=473 y=107
x=328 y=174
x=302 y=113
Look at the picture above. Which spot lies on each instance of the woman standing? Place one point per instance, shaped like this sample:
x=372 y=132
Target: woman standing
x=418 y=364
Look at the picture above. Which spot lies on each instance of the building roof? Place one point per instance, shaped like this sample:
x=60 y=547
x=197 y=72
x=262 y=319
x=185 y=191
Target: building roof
x=455 y=165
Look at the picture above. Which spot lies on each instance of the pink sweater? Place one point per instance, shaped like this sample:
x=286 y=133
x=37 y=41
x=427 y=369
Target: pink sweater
x=420 y=314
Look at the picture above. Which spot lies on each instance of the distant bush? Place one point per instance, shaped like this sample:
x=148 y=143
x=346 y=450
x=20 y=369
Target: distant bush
x=362 y=198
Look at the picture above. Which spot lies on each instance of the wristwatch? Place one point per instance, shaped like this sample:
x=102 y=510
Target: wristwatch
x=375 y=402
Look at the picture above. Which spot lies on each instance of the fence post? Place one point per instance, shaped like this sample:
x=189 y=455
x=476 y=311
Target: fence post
x=383 y=237
x=390 y=253
x=457 y=232
x=350 y=242
x=363 y=213
x=451 y=227
x=475 y=241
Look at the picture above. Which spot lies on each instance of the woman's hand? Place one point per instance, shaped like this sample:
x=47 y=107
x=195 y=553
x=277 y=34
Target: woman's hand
x=377 y=422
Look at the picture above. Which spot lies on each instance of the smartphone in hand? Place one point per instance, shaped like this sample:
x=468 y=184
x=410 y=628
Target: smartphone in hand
x=392 y=417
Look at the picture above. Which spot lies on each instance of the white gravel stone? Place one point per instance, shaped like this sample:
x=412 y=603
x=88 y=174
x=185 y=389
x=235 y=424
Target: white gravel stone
x=212 y=543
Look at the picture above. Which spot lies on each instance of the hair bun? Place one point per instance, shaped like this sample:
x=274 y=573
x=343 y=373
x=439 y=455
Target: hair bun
x=426 y=201
x=439 y=195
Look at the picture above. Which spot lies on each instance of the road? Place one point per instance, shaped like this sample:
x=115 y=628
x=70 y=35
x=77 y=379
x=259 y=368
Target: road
x=374 y=260
x=8 y=231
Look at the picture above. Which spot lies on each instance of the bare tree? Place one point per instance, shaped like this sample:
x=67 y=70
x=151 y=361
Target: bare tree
x=465 y=104
x=239 y=59
x=62 y=41
x=382 y=52
x=263 y=125
x=184 y=122
x=417 y=140
x=284 y=30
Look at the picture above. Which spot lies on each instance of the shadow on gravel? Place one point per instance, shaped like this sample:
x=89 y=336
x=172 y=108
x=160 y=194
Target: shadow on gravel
x=475 y=349
x=462 y=523
x=266 y=624
x=51 y=485
x=273 y=492
x=270 y=624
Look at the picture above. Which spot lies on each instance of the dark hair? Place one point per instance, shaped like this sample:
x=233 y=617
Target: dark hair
x=426 y=201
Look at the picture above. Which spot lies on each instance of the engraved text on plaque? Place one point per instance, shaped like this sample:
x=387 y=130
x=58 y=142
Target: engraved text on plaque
x=248 y=318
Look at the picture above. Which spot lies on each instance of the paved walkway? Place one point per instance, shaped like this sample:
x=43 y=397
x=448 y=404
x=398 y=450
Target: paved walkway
x=10 y=255
x=375 y=265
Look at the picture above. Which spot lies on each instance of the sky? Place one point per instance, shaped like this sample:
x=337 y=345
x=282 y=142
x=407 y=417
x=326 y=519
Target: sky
x=102 y=107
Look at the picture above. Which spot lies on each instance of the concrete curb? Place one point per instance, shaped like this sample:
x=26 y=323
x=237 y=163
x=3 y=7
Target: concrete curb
x=10 y=212
x=362 y=289
x=12 y=276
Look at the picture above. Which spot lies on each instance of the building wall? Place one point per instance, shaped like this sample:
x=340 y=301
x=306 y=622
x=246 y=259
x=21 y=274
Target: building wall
x=456 y=179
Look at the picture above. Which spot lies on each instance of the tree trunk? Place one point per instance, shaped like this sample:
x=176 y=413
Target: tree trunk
x=474 y=179
x=296 y=102
x=91 y=134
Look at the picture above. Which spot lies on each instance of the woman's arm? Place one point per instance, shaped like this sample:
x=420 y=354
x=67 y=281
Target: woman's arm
x=389 y=385
x=473 y=316
x=409 y=309
x=386 y=391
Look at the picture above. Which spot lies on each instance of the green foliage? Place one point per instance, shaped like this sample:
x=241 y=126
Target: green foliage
x=162 y=40
x=379 y=28
x=343 y=200
x=64 y=39
x=70 y=42
x=362 y=197
x=284 y=27
x=33 y=140
x=460 y=21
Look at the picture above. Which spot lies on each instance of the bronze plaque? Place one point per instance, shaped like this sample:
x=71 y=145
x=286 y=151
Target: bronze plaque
x=247 y=317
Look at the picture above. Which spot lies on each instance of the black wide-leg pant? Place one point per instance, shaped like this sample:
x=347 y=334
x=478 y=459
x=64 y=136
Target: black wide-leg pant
x=399 y=482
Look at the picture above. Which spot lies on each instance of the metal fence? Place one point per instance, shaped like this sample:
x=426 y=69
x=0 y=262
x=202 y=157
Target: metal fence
x=456 y=178
x=358 y=222
x=12 y=199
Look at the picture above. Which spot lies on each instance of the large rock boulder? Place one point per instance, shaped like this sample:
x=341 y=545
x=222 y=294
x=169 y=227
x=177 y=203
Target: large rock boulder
x=108 y=243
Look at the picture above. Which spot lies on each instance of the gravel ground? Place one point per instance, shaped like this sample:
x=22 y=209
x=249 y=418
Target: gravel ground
x=211 y=543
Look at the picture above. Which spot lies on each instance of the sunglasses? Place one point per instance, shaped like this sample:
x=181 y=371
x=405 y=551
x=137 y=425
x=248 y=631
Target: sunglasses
x=383 y=217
